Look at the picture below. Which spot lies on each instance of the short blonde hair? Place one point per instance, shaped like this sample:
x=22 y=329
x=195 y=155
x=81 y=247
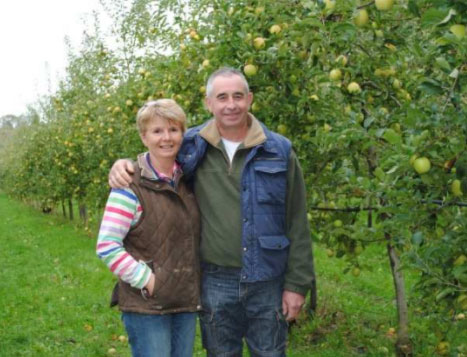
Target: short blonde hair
x=162 y=108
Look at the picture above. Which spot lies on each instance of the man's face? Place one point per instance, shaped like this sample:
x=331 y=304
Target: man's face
x=229 y=102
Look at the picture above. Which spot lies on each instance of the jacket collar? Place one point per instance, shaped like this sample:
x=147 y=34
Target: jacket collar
x=254 y=137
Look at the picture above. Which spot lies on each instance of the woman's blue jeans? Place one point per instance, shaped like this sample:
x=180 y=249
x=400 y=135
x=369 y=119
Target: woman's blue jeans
x=170 y=335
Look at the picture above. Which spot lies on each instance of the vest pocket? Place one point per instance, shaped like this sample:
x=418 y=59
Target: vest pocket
x=271 y=181
x=274 y=254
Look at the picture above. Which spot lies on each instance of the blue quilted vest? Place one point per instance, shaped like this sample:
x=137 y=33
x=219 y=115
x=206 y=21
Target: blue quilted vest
x=264 y=188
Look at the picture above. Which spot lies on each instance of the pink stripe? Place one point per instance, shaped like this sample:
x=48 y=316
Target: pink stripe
x=105 y=244
x=119 y=211
x=116 y=220
x=125 y=267
x=115 y=265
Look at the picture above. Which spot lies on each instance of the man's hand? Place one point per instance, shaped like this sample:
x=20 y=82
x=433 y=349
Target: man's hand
x=120 y=173
x=291 y=304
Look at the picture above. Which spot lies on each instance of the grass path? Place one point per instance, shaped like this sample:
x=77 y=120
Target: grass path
x=54 y=296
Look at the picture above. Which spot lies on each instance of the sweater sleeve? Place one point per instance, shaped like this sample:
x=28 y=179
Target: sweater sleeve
x=122 y=211
x=300 y=273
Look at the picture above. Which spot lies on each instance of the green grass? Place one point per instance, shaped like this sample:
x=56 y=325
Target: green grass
x=54 y=295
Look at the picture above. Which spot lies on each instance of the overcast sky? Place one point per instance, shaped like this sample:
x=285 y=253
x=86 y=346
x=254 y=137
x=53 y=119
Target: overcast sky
x=32 y=43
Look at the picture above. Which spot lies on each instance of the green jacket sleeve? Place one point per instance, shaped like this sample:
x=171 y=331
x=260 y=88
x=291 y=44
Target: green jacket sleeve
x=300 y=275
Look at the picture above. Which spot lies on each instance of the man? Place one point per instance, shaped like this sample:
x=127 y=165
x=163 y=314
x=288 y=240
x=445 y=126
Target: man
x=255 y=241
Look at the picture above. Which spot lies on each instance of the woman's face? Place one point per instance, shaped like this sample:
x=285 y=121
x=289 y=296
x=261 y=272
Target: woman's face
x=163 y=138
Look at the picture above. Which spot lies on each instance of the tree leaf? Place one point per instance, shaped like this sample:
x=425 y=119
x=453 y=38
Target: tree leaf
x=433 y=17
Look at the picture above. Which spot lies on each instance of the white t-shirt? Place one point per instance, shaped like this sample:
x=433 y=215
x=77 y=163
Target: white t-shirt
x=230 y=147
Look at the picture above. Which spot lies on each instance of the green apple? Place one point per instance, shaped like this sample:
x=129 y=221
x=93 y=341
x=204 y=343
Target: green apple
x=354 y=87
x=361 y=18
x=460 y=260
x=456 y=188
x=250 y=70
x=335 y=74
x=458 y=31
x=422 y=165
x=327 y=128
x=259 y=43
x=337 y=223
x=342 y=59
x=330 y=5
x=282 y=129
x=384 y=5
x=356 y=271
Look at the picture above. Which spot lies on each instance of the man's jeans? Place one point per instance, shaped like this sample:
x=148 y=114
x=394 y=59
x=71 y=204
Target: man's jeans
x=161 y=335
x=233 y=310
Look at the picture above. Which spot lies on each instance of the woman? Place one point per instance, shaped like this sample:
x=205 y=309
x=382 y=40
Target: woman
x=149 y=238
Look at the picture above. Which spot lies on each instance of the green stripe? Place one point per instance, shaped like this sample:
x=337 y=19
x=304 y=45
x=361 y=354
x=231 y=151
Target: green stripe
x=123 y=202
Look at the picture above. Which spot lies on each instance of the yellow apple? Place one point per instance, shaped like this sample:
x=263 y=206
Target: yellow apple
x=361 y=18
x=250 y=70
x=275 y=29
x=354 y=87
x=205 y=63
x=259 y=43
x=422 y=165
x=384 y=5
x=335 y=74
x=129 y=103
x=327 y=128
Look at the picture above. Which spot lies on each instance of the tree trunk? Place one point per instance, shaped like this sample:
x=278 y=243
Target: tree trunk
x=83 y=214
x=403 y=343
x=63 y=209
x=70 y=209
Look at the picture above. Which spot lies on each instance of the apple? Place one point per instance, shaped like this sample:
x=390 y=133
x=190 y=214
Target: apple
x=129 y=103
x=275 y=29
x=259 y=10
x=259 y=43
x=396 y=84
x=456 y=188
x=356 y=271
x=327 y=128
x=111 y=351
x=379 y=33
x=205 y=63
x=342 y=59
x=443 y=348
x=354 y=87
x=460 y=316
x=458 y=31
x=314 y=97
x=329 y=253
x=422 y=165
x=250 y=70
x=460 y=260
x=282 y=129
x=330 y=5
x=361 y=18
x=335 y=74
x=337 y=223
x=384 y=5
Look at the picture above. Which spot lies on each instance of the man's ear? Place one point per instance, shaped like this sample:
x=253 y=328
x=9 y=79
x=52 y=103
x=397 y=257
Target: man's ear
x=250 y=98
x=207 y=104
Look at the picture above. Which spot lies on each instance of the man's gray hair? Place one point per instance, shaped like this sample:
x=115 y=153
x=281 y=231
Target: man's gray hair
x=225 y=72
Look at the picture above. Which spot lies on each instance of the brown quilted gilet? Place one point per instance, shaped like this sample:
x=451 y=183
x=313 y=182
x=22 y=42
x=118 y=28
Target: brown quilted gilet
x=167 y=238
